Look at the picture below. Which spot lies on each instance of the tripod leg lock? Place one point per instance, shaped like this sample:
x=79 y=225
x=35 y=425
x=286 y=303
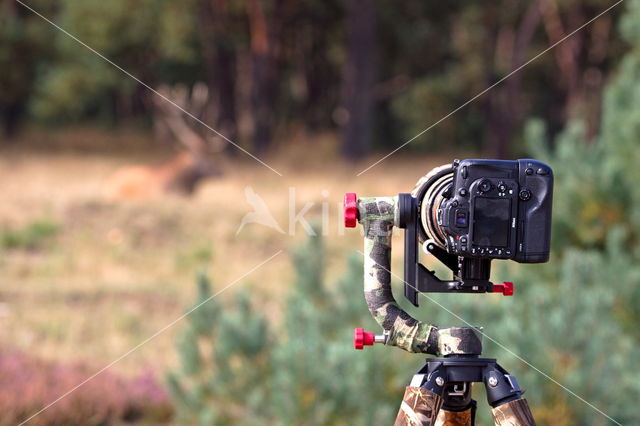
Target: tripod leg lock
x=501 y=386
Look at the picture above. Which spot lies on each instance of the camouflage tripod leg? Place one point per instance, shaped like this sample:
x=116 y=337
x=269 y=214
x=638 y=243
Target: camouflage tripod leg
x=514 y=413
x=419 y=407
x=440 y=394
x=455 y=418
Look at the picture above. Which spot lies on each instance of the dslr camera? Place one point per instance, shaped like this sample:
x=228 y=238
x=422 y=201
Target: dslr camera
x=471 y=212
x=491 y=209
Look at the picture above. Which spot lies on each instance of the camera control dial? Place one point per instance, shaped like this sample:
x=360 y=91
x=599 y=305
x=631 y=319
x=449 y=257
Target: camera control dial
x=484 y=186
x=525 y=195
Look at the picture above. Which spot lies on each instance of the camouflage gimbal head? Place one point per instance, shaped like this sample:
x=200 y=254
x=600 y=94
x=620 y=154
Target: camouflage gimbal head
x=465 y=214
x=378 y=215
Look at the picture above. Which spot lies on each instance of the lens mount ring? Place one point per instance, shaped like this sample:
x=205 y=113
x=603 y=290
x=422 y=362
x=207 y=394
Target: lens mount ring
x=429 y=194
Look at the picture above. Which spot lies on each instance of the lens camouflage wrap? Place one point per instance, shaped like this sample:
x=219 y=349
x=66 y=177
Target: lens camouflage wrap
x=378 y=216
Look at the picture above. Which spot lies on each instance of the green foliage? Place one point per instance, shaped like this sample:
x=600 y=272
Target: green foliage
x=581 y=307
x=427 y=101
x=33 y=236
x=563 y=322
x=223 y=359
x=23 y=51
x=431 y=57
x=237 y=369
x=195 y=256
x=152 y=39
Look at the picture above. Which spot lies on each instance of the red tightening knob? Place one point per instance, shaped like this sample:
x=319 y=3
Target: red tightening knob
x=350 y=210
x=506 y=288
x=362 y=338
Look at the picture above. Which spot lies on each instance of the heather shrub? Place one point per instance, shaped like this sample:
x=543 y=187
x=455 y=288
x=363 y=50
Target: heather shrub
x=27 y=385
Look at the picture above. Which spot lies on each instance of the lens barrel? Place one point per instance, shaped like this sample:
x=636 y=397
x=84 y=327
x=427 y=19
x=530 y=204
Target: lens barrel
x=430 y=192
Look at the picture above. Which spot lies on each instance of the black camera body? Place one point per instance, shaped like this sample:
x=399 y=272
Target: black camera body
x=471 y=212
x=498 y=209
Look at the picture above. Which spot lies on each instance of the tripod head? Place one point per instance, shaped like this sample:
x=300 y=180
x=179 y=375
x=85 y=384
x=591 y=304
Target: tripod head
x=465 y=215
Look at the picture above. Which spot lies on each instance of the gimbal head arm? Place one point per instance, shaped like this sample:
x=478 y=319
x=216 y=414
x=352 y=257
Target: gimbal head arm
x=378 y=216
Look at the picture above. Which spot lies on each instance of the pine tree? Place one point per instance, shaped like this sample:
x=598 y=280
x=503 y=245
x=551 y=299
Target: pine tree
x=235 y=368
x=223 y=358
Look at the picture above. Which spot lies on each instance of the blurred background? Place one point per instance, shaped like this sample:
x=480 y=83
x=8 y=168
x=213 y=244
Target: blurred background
x=120 y=212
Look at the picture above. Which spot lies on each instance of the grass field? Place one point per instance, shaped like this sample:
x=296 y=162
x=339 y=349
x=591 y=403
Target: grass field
x=85 y=279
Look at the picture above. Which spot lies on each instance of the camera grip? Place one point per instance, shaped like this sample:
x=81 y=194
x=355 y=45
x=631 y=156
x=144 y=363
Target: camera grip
x=378 y=215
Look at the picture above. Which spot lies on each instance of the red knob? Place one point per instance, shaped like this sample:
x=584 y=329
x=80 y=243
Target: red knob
x=362 y=338
x=350 y=210
x=506 y=288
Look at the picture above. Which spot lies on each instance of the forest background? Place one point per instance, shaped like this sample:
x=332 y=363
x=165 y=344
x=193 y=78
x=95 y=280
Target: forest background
x=115 y=199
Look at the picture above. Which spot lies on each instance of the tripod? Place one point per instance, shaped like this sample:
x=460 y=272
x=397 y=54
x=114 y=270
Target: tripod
x=440 y=393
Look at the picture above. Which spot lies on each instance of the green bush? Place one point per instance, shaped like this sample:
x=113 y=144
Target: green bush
x=33 y=236
x=236 y=368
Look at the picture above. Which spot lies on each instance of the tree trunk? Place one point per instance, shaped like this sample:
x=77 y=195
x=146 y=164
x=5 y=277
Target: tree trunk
x=317 y=75
x=225 y=87
x=14 y=90
x=523 y=37
x=11 y=116
x=262 y=75
x=494 y=130
x=358 y=79
x=594 y=76
x=565 y=54
x=220 y=66
x=504 y=111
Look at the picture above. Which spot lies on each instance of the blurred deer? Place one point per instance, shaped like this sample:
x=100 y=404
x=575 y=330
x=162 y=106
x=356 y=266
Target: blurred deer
x=190 y=166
